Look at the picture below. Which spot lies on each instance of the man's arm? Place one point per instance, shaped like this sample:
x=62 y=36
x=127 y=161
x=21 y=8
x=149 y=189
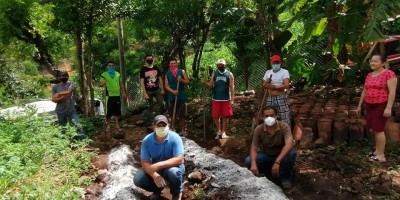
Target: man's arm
x=143 y=88
x=285 y=150
x=253 y=159
x=288 y=145
x=210 y=83
x=232 y=87
x=102 y=81
x=160 y=80
x=169 y=89
x=185 y=79
x=285 y=85
x=151 y=169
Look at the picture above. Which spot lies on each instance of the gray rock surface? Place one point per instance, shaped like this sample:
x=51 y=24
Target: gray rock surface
x=225 y=176
x=119 y=178
x=237 y=182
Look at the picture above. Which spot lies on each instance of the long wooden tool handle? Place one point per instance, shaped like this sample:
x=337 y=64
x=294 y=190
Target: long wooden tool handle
x=174 y=112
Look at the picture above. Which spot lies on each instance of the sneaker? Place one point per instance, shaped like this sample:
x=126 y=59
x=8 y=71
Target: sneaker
x=224 y=136
x=286 y=184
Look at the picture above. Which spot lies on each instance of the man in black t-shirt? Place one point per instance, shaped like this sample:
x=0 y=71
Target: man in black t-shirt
x=152 y=85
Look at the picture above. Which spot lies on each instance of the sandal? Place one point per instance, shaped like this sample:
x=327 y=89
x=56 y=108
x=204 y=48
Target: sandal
x=371 y=154
x=376 y=159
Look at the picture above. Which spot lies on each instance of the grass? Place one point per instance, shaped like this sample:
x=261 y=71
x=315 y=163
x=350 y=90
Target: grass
x=37 y=161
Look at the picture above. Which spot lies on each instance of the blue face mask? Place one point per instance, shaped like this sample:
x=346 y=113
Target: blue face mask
x=111 y=71
x=276 y=67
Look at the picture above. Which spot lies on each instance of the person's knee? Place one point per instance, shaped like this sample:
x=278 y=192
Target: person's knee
x=138 y=179
x=174 y=173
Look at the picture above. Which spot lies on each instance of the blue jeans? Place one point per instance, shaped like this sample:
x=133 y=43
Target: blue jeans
x=173 y=177
x=265 y=163
x=74 y=118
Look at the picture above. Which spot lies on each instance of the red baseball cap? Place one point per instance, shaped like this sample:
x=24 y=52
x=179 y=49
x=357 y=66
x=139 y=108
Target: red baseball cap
x=275 y=58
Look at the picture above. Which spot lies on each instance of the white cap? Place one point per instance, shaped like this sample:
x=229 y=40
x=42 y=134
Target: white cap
x=221 y=61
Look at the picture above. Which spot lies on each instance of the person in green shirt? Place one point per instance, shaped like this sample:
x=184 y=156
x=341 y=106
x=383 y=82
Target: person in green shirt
x=114 y=88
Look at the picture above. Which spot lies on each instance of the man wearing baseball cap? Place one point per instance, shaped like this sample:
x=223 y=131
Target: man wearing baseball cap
x=161 y=156
x=276 y=81
x=223 y=84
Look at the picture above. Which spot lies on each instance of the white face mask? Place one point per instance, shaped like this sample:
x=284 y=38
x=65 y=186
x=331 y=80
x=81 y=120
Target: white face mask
x=269 y=121
x=162 y=131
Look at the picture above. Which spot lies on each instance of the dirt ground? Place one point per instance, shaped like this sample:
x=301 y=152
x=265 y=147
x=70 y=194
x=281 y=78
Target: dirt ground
x=333 y=172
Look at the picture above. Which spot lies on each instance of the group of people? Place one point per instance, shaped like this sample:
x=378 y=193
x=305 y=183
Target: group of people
x=271 y=153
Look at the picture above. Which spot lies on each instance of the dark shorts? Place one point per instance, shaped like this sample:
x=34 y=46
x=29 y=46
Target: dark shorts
x=375 y=119
x=180 y=108
x=113 y=107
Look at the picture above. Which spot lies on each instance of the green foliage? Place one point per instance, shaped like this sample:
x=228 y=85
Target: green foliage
x=19 y=79
x=37 y=161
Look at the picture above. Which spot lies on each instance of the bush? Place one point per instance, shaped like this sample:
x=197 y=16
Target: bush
x=37 y=161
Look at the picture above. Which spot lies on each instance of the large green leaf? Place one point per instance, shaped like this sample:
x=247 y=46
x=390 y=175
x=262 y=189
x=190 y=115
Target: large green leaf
x=320 y=27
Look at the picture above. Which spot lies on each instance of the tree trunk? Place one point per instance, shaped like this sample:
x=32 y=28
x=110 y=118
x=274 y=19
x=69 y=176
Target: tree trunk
x=199 y=49
x=42 y=56
x=89 y=72
x=121 y=53
x=82 y=73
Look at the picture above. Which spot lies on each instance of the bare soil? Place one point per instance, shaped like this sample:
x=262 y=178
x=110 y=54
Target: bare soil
x=333 y=172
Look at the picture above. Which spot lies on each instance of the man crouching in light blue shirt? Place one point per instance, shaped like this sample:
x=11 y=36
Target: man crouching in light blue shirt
x=162 y=161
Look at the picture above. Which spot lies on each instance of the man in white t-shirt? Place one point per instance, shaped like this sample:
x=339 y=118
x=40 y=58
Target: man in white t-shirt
x=276 y=80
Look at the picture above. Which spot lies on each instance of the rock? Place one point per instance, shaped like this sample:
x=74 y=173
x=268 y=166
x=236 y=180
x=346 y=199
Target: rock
x=228 y=176
x=196 y=177
x=139 y=122
x=358 y=187
x=119 y=179
x=101 y=176
x=382 y=189
x=233 y=130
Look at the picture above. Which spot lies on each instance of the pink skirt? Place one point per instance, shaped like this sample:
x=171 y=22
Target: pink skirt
x=375 y=119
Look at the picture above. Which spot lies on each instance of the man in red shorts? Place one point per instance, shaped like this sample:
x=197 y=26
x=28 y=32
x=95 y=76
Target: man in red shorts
x=223 y=84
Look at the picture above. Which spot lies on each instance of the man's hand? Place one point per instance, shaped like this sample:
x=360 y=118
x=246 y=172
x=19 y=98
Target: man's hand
x=254 y=169
x=179 y=79
x=232 y=102
x=146 y=96
x=270 y=86
x=275 y=170
x=162 y=92
x=175 y=92
x=159 y=180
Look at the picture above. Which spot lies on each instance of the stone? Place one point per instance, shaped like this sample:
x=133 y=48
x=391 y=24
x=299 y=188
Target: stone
x=195 y=177
x=233 y=130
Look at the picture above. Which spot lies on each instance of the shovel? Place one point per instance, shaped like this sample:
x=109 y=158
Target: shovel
x=174 y=111
x=255 y=120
